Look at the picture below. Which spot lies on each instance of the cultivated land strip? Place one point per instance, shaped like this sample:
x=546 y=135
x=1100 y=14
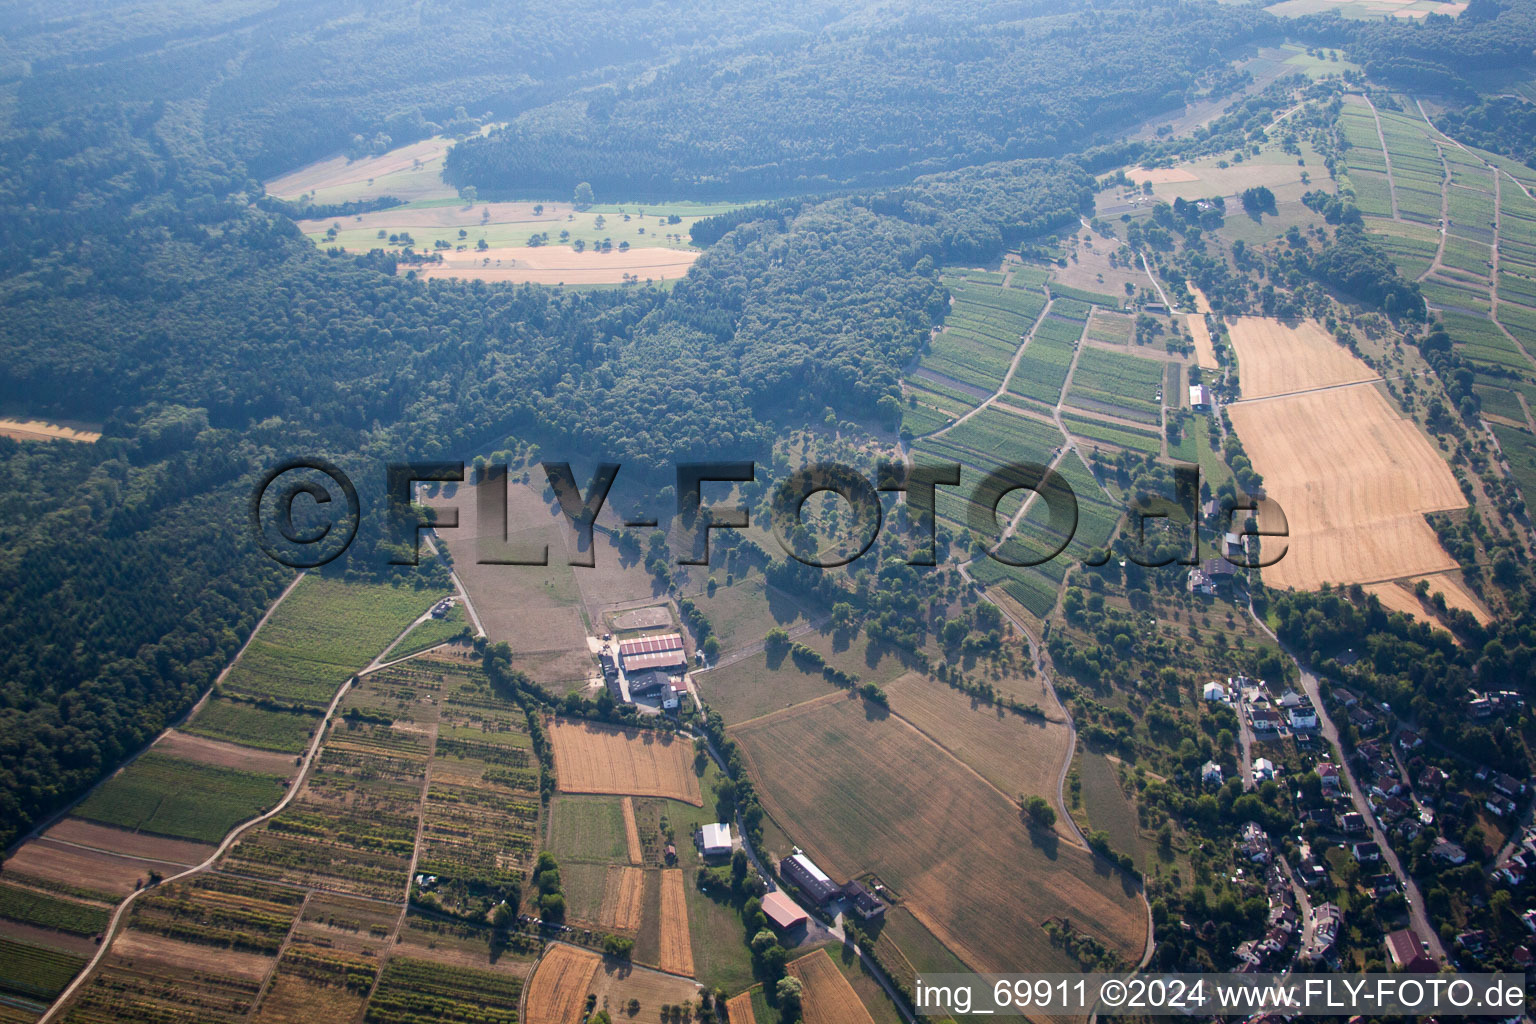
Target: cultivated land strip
x=1386 y=155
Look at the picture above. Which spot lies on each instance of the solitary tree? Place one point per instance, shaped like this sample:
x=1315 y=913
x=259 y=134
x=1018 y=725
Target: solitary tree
x=1039 y=811
x=583 y=196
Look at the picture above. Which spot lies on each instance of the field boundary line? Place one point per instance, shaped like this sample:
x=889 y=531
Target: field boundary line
x=826 y=698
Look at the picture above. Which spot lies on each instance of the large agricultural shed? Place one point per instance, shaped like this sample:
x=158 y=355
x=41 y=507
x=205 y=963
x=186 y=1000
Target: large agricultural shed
x=784 y=912
x=652 y=652
x=811 y=880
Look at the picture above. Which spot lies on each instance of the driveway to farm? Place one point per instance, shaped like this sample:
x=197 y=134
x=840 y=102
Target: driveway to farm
x=836 y=928
x=1416 y=915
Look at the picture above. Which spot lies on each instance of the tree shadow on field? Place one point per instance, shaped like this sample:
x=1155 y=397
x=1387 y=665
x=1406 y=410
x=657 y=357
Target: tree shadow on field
x=1043 y=839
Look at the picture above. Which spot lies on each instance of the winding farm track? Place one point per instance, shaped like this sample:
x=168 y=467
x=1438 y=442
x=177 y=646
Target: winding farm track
x=1386 y=155
x=223 y=847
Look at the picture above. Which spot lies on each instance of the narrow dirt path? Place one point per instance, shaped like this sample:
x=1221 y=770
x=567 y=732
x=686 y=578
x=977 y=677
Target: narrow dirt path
x=1002 y=389
x=1386 y=155
x=1445 y=213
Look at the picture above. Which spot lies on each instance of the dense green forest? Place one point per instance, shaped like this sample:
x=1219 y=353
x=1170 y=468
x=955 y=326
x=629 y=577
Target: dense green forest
x=875 y=98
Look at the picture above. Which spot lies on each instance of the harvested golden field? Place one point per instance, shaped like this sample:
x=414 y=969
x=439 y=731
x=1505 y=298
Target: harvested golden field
x=865 y=792
x=738 y=1009
x=1399 y=597
x=636 y=762
x=1276 y=359
x=225 y=755
x=828 y=998
x=1205 y=352
x=559 y=264
x=557 y=992
x=623 y=897
x=676 y=943
x=49 y=430
x=975 y=732
x=1355 y=479
x=632 y=845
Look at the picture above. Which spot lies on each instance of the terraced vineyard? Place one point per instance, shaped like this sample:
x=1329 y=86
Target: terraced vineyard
x=967 y=361
x=35 y=972
x=1118 y=384
x=418 y=990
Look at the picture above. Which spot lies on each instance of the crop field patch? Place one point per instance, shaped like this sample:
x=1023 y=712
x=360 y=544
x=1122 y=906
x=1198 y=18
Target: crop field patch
x=623 y=895
x=1118 y=383
x=150 y=979
x=412 y=990
x=353 y=826
x=674 y=941
x=322 y=633
x=558 y=989
x=1355 y=513
x=253 y=726
x=588 y=828
x=220 y=754
x=975 y=732
x=220 y=911
x=1116 y=434
x=1275 y=358
x=558 y=264
x=35 y=972
x=47 y=910
x=185 y=799
x=313 y=983
x=828 y=998
x=866 y=793
x=628 y=762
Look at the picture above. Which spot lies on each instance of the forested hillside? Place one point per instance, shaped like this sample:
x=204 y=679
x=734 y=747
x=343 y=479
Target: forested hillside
x=877 y=97
x=143 y=287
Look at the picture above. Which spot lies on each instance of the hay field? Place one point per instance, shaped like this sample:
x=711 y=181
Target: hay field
x=1399 y=597
x=559 y=264
x=49 y=430
x=1276 y=359
x=1355 y=479
x=623 y=897
x=828 y=998
x=557 y=992
x=410 y=173
x=534 y=609
x=676 y=940
x=636 y=762
x=974 y=733
x=864 y=792
x=1205 y=352
x=632 y=845
x=738 y=1009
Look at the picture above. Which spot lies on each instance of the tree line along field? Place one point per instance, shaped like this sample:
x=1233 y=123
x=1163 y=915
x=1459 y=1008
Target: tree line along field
x=864 y=792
